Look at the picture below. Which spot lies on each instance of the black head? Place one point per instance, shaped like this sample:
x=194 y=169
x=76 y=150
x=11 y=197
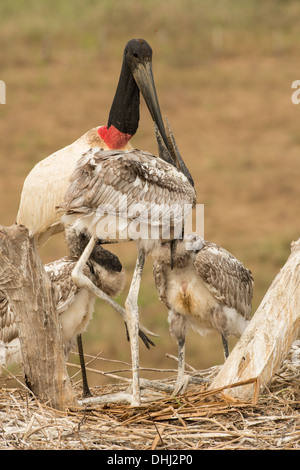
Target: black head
x=136 y=76
x=138 y=57
x=137 y=51
x=106 y=258
x=77 y=242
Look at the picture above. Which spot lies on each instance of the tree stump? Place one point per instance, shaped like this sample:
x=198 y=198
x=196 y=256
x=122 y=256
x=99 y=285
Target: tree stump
x=267 y=340
x=26 y=285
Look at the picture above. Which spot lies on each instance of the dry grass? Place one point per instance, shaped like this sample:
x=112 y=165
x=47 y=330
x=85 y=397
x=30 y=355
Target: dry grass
x=199 y=419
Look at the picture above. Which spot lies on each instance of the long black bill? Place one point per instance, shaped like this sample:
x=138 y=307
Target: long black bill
x=164 y=154
x=143 y=76
x=176 y=154
x=171 y=151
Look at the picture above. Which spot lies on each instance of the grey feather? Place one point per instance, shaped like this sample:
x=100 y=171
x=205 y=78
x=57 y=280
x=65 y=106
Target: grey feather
x=101 y=177
x=225 y=277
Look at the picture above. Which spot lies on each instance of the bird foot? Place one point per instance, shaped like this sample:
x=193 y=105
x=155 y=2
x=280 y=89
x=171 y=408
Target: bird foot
x=86 y=393
x=135 y=396
x=181 y=385
x=156 y=385
x=121 y=397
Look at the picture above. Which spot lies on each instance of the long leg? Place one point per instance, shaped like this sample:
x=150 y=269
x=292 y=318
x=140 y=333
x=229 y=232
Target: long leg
x=82 y=280
x=131 y=307
x=179 y=326
x=181 y=358
x=182 y=380
x=86 y=391
x=225 y=346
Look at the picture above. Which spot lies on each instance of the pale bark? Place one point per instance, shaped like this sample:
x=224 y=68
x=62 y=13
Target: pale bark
x=268 y=337
x=25 y=283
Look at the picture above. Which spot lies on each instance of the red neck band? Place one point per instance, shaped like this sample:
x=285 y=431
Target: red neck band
x=113 y=138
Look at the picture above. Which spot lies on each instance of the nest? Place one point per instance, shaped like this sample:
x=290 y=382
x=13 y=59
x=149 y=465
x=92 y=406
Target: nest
x=198 y=419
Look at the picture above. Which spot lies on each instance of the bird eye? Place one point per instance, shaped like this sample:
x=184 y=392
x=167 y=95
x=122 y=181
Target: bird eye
x=135 y=55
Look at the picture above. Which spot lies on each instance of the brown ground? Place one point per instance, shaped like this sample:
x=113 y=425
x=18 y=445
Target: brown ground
x=224 y=80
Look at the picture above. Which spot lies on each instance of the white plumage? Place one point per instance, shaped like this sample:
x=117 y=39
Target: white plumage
x=207 y=289
x=46 y=184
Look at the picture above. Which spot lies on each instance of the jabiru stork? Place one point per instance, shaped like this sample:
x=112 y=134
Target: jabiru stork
x=45 y=187
x=75 y=305
x=46 y=184
x=206 y=289
x=105 y=179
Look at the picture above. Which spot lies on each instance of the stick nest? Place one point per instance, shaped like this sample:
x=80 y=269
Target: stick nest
x=199 y=419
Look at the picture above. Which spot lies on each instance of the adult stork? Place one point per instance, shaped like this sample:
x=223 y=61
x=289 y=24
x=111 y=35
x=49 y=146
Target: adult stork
x=154 y=179
x=113 y=192
x=207 y=289
x=45 y=186
x=75 y=305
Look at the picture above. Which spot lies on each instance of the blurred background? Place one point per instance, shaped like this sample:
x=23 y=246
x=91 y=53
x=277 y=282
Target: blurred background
x=223 y=72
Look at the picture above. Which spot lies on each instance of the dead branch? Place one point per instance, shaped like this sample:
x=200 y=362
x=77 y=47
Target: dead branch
x=25 y=283
x=269 y=336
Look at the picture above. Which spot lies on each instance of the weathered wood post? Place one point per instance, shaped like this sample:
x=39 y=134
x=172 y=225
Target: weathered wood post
x=25 y=283
x=268 y=337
